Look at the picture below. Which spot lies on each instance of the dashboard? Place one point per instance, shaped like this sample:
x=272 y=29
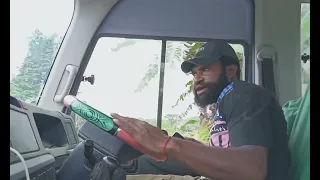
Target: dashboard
x=44 y=138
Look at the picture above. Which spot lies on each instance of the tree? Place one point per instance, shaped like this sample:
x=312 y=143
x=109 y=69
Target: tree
x=35 y=67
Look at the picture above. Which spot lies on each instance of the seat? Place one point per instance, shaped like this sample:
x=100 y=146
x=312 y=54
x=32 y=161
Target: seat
x=73 y=167
x=297 y=114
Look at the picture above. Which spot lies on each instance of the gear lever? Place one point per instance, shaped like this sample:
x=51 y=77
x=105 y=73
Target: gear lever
x=89 y=160
x=107 y=168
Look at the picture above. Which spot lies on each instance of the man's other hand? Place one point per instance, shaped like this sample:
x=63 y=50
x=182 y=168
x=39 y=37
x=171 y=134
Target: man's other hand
x=147 y=136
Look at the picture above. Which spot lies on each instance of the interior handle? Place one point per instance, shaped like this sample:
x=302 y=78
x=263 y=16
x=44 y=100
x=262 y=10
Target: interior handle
x=72 y=74
x=267 y=51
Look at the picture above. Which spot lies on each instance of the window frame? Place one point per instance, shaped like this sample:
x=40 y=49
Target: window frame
x=248 y=63
x=55 y=57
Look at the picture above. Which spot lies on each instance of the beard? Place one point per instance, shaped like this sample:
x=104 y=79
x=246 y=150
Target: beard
x=213 y=91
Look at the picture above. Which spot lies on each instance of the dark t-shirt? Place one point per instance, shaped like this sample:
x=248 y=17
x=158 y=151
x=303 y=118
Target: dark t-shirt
x=249 y=115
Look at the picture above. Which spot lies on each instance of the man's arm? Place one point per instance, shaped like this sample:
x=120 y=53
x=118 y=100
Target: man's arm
x=250 y=135
x=193 y=140
x=246 y=162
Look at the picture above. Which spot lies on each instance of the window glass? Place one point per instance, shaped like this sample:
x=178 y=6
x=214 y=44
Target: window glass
x=305 y=44
x=21 y=134
x=127 y=74
x=126 y=78
x=37 y=28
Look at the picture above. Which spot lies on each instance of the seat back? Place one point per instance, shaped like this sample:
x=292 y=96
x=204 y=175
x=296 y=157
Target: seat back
x=73 y=167
x=297 y=113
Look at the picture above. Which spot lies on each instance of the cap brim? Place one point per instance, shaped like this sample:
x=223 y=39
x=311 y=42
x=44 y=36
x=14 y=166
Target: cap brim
x=187 y=66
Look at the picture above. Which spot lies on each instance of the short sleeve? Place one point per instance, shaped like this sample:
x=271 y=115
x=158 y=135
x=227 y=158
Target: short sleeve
x=248 y=117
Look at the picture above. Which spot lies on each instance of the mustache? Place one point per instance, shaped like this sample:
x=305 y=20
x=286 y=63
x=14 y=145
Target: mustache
x=200 y=85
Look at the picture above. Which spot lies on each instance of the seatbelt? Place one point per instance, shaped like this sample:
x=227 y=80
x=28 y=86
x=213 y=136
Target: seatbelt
x=267 y=57
x=268 y=75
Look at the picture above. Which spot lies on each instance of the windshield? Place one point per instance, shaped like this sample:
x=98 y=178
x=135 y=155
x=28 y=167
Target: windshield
x=37 y=29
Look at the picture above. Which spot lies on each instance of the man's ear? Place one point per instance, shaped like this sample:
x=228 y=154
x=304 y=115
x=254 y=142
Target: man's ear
x=231 y=72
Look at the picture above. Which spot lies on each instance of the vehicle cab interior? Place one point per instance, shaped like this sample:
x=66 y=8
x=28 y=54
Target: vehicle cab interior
x=125 y=56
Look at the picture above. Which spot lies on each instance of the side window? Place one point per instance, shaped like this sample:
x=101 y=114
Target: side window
x=305 y=44
x=126 y=78
x=21 y=134
x=127 y=73
x=36 y=33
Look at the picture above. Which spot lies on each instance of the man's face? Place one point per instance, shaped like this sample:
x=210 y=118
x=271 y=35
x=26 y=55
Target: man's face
x=209 y=81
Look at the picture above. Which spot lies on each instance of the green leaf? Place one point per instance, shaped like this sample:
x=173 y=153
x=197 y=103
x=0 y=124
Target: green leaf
x=181 y=97
x=189 y=83
x=190 y=122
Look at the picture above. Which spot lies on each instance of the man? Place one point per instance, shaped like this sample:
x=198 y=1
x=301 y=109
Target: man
x=248 y=140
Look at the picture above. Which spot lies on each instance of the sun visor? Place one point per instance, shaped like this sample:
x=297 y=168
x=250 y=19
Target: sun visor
x=209 y=19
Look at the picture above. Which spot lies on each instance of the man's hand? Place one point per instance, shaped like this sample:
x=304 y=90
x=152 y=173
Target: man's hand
x=147 y=136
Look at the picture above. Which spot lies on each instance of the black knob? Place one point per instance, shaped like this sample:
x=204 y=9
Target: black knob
x=89 y=79
x=88 y=146
x=305 y=57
